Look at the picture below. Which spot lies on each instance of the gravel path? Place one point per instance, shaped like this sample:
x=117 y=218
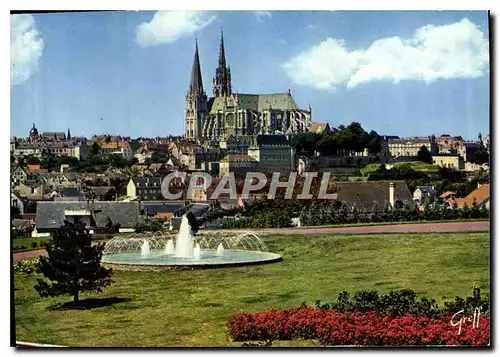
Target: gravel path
x=393 y=228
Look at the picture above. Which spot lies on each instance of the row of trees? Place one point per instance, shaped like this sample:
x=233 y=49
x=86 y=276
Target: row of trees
x=350 y=138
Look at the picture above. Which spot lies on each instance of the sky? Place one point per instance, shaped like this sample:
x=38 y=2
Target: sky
x=406 y=73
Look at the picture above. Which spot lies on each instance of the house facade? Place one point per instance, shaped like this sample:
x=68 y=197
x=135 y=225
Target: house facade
x=273 y=153
x=238 y=164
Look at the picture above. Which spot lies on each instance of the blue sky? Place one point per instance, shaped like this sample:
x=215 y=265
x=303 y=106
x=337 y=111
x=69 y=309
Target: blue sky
x=398 y=73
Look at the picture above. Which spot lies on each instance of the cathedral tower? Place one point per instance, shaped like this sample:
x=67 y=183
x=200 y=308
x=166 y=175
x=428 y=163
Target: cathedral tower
x=196 y=101
x=222 y=79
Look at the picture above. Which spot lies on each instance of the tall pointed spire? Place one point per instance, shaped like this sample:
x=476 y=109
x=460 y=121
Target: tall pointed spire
x=196 y=84
x=222 y=54
x=68 y=137
x=222 y=79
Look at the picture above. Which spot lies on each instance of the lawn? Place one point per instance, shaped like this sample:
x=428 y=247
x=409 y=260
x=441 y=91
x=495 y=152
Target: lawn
x=415 y=165
x=27 y=243
x=190 y=308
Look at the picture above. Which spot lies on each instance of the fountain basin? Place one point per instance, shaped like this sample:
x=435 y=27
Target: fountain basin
x=208 y=259
x=185 y=251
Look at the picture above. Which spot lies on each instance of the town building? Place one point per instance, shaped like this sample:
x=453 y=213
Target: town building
x=273 y=153
x=50 y=216
x=373 y=196
x=421 y=192
x=239 y=164
x=145 y=188
x=480 y=196
x=121 y=148
x=320 y=128
x=411 y=146
x=452 y=161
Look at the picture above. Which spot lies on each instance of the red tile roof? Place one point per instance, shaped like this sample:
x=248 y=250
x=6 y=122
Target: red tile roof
x=480 y=195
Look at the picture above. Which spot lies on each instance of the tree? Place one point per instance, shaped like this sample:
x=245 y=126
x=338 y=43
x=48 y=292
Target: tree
x=32 y=160
x=15 y=212
x=72 y=264
x=424 y=155
x=21 y=161
x=112 y=227
x=47 y=160
x=480 y=157
x=94 y=149
x=193 y=222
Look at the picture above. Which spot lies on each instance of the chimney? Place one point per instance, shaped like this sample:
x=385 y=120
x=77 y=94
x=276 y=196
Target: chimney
x=391 y=194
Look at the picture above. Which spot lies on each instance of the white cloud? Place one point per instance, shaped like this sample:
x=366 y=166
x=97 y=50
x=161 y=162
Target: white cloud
x=311 y=27
x=169 y=26
x=282 y=41
x=459 y=50
x=261 y=14
x=26 y=48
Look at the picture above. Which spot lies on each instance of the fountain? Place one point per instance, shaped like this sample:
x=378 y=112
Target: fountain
x=207 y=249
x=145 y=250
x=220 y=250
x=169 y=247
x=197 y=252
x=184 y=248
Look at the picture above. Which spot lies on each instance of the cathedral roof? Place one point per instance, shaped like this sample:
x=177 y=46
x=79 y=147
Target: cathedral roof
x=238 y=158
x=270 y=140
x=256 y=102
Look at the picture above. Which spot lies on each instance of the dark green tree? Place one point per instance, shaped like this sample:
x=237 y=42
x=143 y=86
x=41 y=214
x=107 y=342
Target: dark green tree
x=424 y=155
x=15 y=212
x=32 y=160
x=47 y=160
x=193 y=222
x=480 y=157
x=72 y=264
x=21 y=161
x=94 y=149
x=112 y=227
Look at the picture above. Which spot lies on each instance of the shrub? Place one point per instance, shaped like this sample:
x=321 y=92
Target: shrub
x=354 y=328
x=404 y=301
x=27 y=266
x=34 y=245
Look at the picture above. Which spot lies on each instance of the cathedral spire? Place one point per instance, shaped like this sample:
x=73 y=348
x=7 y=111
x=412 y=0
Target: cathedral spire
x=222 y=54
x=196 y=84
x=222 y=79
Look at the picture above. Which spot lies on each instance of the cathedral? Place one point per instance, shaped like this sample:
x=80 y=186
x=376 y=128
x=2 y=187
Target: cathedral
x=236 y=114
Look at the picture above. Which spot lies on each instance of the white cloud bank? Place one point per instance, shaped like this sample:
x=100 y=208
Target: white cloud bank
x=26 y=48
x=458 y=50
x=261 y=15
x=169 y=26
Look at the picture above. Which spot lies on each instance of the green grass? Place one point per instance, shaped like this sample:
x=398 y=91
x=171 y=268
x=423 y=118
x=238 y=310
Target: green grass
x=27 y=242
x=190 y=308
x=416 y=165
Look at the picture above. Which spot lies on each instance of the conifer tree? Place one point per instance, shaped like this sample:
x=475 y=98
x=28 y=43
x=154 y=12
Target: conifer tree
x=72 y=264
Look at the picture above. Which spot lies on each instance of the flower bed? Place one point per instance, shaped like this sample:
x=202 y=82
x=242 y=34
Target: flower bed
x=27 y=266
x=360 y=329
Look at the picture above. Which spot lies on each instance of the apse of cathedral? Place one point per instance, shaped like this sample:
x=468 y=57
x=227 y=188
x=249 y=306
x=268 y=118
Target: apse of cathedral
x=237 y=114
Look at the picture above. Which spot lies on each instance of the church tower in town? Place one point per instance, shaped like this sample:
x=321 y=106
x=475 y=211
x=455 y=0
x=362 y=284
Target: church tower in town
x=222 y=79
x=196 y=101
